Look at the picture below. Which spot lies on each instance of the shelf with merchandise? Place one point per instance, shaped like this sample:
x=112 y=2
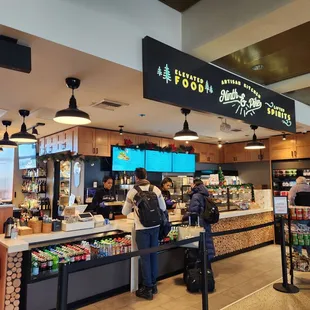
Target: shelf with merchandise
x=44 y=260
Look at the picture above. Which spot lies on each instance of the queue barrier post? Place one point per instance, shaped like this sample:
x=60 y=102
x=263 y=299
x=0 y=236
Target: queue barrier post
x=62 y=287
x=204 y=263
x=284 y=287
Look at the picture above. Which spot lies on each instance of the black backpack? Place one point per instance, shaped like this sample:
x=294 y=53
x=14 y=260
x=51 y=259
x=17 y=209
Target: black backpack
x=165 y=225
x=210 y=213
x=148 y=207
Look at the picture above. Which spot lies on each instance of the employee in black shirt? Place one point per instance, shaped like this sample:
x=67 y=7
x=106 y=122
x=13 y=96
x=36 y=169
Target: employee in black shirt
x=103 y=195
x=165 y=185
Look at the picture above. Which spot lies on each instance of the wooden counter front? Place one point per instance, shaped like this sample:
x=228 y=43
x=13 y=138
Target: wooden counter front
x=240 y=235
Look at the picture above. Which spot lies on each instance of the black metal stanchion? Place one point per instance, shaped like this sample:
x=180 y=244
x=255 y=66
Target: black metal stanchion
x=284 y=287
x=290 y=238
x=204 y=262
x=62 y=287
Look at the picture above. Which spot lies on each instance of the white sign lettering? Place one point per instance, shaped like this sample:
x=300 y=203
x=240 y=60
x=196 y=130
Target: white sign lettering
x=242 y=106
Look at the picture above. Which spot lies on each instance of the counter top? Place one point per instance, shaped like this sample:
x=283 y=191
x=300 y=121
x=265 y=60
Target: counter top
x=22 y=242
x=225 y=215
x=6 y=205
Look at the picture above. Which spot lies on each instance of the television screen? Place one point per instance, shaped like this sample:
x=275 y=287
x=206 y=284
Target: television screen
x=127 y=159
x=183 y=162
x=158 y=161
x=27 y=156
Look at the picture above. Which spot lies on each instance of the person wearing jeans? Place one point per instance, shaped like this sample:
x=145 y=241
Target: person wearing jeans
x=146 y=237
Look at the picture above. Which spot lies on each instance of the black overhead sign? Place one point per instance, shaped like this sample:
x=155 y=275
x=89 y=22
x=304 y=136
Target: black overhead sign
x=173 y=77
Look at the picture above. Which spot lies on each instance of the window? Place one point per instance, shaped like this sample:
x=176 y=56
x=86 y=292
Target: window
x=6 y=174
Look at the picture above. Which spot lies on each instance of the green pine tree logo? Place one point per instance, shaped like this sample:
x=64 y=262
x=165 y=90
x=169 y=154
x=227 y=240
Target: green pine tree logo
x=167 y=75
x=208 y=87
x=159 y=72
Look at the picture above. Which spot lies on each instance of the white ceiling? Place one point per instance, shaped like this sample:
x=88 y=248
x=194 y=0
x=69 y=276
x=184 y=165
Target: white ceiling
x=43 y=92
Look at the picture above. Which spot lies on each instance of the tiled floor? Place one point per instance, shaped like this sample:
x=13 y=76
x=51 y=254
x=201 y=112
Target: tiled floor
x=235 y=277
x=268 y=298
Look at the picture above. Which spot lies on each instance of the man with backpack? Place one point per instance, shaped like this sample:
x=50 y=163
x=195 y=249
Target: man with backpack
x=147 y=203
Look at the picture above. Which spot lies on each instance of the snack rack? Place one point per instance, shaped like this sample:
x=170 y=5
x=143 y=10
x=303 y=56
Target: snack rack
x=298 y=234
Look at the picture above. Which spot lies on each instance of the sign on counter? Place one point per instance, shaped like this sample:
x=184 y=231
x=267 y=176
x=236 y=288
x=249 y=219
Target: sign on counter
x=173 y=77
x=280 y=205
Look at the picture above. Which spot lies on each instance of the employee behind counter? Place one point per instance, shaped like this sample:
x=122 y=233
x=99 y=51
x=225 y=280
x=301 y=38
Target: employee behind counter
x=103 y=195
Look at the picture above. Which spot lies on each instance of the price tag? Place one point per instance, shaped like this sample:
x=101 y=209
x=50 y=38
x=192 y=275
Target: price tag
x=280 y=205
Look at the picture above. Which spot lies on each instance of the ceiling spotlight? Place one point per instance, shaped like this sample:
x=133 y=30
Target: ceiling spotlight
x=72 y=115
x=258 y=67
x=121 y=130
x=186 y=134
x=6 y=142
x=35 y=131
x=186 y=142
x=284 y=136
x=254 y=144
x=220 y=144
x=23 y=136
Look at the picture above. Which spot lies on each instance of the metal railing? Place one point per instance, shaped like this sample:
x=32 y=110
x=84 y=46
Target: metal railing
x=65 y=269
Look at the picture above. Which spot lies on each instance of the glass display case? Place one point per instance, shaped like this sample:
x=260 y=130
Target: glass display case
x=232 y=197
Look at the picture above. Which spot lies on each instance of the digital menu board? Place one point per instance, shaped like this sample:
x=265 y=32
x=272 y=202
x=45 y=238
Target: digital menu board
x=183 y=162
x=127 y=159
x=158 y=161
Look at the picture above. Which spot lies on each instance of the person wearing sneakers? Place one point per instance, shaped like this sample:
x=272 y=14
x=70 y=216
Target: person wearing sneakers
x=146 y=201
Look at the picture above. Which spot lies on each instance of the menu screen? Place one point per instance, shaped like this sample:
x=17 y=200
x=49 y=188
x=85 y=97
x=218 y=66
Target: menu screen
x=127 y=159
x=27 y=156
x=158 y=161
x=183 y=162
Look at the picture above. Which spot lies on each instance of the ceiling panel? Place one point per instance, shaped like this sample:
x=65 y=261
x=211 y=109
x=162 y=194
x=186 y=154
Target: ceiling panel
x=302 y=95
x=282 y=57
x=180 y=5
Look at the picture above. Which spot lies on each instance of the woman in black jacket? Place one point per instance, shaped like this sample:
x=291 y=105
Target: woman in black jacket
x=103 y=195
x=165 y=185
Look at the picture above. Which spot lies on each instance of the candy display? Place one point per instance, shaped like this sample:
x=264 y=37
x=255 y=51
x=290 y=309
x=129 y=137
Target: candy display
x=300 y=262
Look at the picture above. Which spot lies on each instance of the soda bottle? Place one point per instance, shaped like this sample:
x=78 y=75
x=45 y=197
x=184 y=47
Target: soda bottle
x=34 y=266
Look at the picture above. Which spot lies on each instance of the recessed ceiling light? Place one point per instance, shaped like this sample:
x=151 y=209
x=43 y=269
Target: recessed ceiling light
x=258 y=67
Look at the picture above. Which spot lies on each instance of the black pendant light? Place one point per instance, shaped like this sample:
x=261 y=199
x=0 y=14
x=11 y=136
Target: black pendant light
x=6 y=142
x=72 y=115
x=121 y=130
x=23 y=136
x=254 y=144
x=186 y=134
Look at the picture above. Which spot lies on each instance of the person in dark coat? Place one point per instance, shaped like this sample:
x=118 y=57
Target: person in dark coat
x=198 y=195
x=102 y=195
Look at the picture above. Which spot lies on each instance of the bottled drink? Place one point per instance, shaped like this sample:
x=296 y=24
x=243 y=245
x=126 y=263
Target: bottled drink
x=34 y=266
